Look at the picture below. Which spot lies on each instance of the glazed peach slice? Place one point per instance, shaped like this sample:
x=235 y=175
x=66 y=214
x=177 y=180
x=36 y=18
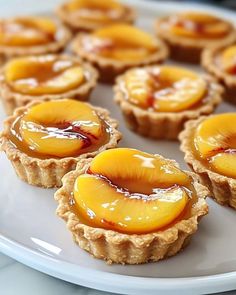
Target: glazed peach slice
x=137 y=171
x=215 y=140
x=228 y=58
x=59 y=128
x=199 y=25
x=43 y=75
x=125 y=42
x=182 y=89
x=27 y=31
x=124 y=211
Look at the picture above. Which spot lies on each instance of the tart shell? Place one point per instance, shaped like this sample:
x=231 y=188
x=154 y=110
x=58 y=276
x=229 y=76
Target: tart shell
x=163 y=125
x=222 y=188
x=49 y=172
x=79 y=25
x=227 y=80
x=12 y=99
x=115 y=247
x=189 y=50
x=110 y=68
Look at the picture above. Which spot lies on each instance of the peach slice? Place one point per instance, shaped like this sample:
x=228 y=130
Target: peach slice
x=27 y=31
x=137 y=171
x=59 y=128
x=225 y=163
x=127 y=36
x=216 y=134
x=38 y=76
x=103 y=205
x=228 y=58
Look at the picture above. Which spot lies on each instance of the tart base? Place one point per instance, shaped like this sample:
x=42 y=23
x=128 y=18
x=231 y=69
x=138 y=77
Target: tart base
x=12 y=100
x=109 y=69
x=222 y=188
x=115 y=247
x=163 y=125
x=49 y=172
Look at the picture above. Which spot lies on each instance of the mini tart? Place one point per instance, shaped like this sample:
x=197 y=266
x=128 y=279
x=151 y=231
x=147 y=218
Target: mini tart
x=32 y=36
x=119 y=222
x=26 y=79
x=45 y=140
x=89 y=15
x=188 y=33
x=156 y=101
x=221 y=63
x=116 y=48
x=209 y=147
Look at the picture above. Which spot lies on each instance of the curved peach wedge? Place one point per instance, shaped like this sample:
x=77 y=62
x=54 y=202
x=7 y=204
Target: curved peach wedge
x=43 y=75
x=225 y=163
x=125 y=212
x=64 y=124
x=228 y=58
x=137 y=171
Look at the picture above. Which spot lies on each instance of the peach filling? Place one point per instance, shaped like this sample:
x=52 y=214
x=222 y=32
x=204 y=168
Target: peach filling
x=96 y=11
x=227 y=59
x=121 y=42
x=165 y=89
x=215 y=142
x=130 y=191
x=59 y=128
x=43 y=75
x=27 y=31
x=198 y=25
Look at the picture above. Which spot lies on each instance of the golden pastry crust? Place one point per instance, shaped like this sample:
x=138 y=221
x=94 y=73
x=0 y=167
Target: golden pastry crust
x=164 y=125
x=12 y=99
x=222 y=188
x=186 y=49
x=77 y=25
x=115 y=247
x=228 y=81
x=110 y=68
x=64 y=36
x=49 y=172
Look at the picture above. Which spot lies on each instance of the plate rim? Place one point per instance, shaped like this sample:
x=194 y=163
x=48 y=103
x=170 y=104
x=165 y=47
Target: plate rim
x=122 y=283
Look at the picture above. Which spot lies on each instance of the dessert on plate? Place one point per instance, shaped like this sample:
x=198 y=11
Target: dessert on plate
x=188 y=33
x=31 y=35
x=26 y=79
x=209 y=146
x=221 y=63
x=45 y=140
x=116 y=48
x=89 y=15
x=131 y=207
x=156 y=101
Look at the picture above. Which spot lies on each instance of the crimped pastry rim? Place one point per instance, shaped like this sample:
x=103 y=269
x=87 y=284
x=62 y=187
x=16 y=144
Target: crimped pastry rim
x=77 y=24
x=185 y=138
x=104 y=62
x=189 y=226
x=14 y=153
x=193 y=43
x=208 y=62
x=65 y=37
x=82 y=89
x=215 y=92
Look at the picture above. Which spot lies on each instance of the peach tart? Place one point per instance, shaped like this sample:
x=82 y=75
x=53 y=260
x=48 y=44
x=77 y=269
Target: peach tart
x=45 y=140
x=26 y=79
x=221 y=63
x=89 y=15
x=127 y=206
x=116 y=48
x=188 y=33
x=156 y=101
x=209 y=144
x=31 y=36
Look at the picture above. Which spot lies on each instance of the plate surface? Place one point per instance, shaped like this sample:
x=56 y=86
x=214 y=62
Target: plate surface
x=31 y=233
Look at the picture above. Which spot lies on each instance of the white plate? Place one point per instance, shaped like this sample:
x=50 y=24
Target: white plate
x=31 y=233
